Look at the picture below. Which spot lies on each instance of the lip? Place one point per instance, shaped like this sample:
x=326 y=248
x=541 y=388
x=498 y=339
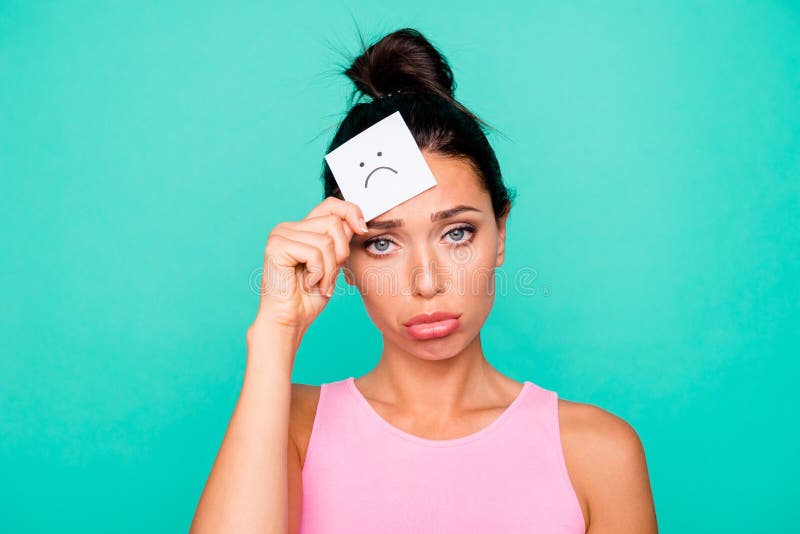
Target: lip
x=430 y=326
x=431 y=317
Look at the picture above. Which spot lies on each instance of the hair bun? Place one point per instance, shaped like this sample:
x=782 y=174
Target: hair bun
x=402 y=61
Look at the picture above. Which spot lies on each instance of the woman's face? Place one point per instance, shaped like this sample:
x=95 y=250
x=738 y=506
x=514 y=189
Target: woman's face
x=435 y=252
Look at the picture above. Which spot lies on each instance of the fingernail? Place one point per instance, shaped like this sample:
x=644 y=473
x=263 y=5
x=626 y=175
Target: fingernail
x=363 y=224
x=330 y=291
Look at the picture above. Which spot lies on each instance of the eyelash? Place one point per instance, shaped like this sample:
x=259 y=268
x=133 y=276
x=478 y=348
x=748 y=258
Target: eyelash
x=468 y=227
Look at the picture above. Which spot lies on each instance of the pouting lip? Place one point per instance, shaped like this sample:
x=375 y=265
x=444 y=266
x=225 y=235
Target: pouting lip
x=431 y=317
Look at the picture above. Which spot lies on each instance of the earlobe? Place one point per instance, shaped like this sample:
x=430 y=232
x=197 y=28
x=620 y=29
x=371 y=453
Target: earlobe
x=501 y=240
x=348 y=275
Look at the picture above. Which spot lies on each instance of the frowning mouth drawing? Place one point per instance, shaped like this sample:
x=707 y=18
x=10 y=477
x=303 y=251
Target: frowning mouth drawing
x=366 y=182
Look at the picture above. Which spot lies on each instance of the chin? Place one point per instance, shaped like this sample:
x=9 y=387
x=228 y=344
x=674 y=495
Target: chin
x=441 y=348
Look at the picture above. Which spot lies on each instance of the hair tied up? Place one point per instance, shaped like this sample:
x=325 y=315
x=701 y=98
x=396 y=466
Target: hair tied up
x=404 y=72
x=393 y=93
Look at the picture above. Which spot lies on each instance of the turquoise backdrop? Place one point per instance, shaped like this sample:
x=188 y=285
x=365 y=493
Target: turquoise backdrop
x=148 y=147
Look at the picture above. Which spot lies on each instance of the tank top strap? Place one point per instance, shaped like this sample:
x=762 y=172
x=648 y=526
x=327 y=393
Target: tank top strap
x=543 y=435
x=334 y=414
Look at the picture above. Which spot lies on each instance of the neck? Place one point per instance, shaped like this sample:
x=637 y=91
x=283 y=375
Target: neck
x=441 y=384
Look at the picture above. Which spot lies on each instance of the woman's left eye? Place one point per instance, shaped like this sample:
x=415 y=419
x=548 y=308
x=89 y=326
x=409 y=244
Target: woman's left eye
x=458 y=233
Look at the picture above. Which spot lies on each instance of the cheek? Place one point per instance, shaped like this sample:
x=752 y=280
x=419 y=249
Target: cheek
x=380 y=282
x=383 y=293
x=476 y=290
x=473 y=268
x=476 y=279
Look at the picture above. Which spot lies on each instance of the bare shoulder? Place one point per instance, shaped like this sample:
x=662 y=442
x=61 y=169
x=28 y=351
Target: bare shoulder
x=301 y=417
x=599 y=431
x=606 y=462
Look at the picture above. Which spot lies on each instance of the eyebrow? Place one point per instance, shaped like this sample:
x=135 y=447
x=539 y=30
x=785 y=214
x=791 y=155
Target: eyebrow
x=438 y=216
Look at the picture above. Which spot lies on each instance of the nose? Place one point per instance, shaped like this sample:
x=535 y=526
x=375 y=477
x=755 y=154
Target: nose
x=428 y=275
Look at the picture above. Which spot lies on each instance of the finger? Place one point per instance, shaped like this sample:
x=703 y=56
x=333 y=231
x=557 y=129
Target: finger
x=325 y=244
x=347 y=234
x=342 y=244
x=332 y=225
x=290 y=253
x=344 y=209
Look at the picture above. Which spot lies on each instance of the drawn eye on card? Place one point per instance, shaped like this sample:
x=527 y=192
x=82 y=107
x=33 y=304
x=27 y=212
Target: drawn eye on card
x=380 y=167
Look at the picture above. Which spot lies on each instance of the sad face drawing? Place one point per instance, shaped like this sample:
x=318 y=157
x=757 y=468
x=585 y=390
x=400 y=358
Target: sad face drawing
x=376 y=169
x=380 y=167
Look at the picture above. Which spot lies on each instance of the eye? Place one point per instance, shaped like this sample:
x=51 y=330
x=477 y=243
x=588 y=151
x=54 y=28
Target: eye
x=361 y=164
x=380 y=153
x=458 y=233
x=381 y=244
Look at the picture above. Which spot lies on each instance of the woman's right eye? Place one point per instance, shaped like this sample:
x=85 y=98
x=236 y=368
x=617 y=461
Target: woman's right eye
x=381 y=246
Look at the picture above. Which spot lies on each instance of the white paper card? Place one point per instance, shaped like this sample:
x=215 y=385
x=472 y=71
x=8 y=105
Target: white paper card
x=380 y=167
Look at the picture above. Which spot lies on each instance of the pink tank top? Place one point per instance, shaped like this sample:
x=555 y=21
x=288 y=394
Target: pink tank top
x=363 y=475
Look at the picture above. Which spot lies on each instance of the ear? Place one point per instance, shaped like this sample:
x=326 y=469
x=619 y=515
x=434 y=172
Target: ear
x=348 y=273
x=501 y=240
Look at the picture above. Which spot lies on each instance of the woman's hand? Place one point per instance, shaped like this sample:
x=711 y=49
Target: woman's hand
x=301 y=264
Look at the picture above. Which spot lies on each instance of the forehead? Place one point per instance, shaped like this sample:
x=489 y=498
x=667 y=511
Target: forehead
x=457 y=182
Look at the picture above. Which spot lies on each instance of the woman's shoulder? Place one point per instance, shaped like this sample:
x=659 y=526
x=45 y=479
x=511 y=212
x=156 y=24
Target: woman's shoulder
x=601 y=450
x=590 y=424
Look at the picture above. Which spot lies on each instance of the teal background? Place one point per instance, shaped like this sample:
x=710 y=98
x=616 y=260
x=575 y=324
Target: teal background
x=147 y=148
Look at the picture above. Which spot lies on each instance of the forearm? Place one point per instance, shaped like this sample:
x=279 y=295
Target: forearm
x=247 y=488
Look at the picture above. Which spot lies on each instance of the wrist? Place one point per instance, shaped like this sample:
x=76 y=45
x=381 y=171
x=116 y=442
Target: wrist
x=267 y=329
x=272 y=344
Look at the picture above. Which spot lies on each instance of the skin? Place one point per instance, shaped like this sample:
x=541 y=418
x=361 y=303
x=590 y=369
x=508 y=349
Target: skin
x=446 y=388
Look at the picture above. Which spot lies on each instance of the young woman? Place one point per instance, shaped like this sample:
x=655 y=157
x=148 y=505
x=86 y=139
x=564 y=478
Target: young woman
x=433 y=439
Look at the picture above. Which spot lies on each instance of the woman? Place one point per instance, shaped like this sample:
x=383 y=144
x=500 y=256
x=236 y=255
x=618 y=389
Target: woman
x=433 y=439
